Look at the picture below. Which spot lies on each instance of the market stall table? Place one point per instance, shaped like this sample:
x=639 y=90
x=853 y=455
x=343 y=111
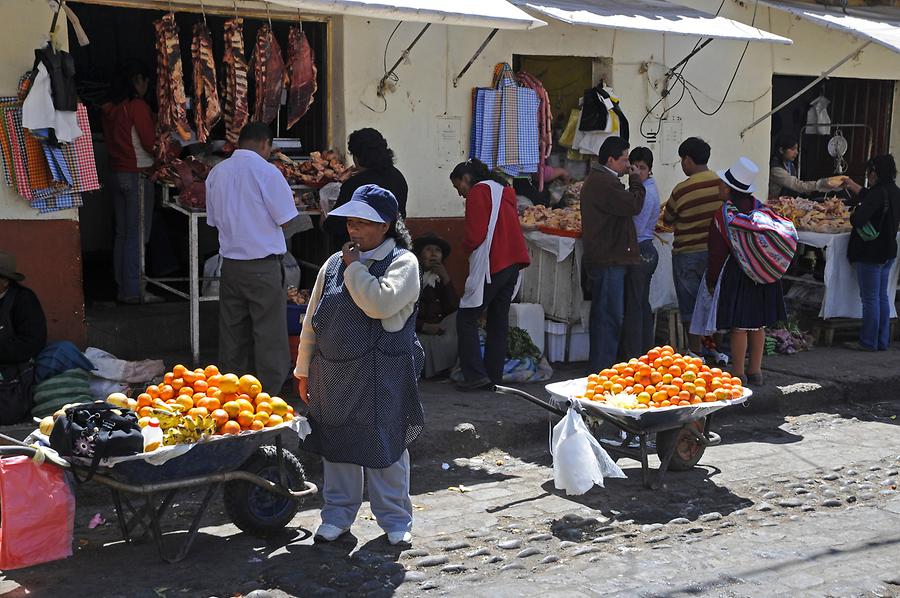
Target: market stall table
x=194 y=279
x=553 y=279
x=841 y=298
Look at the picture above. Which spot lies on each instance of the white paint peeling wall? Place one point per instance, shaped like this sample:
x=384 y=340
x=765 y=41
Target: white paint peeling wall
x=424 y=95
x=24 y=25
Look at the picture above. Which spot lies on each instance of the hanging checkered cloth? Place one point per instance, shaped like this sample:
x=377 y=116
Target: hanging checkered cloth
x=5 y=145
x=17 y=145
x=79 y=156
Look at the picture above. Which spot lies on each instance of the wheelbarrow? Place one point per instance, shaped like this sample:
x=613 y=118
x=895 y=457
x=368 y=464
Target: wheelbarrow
x=681 y=433
x=263 y=483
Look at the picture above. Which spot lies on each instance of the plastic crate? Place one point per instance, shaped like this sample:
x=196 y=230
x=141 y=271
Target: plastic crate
x=579 y=342
x=295 y=315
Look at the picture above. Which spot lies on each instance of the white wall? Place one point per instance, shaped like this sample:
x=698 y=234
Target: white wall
x=27 y=26
x=425 y=95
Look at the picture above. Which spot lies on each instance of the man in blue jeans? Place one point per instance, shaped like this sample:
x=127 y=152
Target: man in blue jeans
x=610 y=244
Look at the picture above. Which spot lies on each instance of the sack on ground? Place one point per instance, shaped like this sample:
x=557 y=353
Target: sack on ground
x=38 y=509
x=71 y=386
x=579 y=461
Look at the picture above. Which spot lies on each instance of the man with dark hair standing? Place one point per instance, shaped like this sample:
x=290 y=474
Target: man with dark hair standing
x=689 y=211
x=610 y=244
x=250 y=203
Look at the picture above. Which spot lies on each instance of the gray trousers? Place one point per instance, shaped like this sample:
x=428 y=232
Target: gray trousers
x=388 y=494
x=253 y=336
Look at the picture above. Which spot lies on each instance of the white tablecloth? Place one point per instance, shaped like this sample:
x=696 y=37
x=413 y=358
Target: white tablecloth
x=841 y=288
x=662 y=285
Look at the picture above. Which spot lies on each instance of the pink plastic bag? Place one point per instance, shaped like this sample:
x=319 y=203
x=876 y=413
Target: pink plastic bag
x=37 y=513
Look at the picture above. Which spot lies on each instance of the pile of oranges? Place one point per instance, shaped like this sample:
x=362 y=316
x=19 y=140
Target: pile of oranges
x=663 y=378
x=236 y=404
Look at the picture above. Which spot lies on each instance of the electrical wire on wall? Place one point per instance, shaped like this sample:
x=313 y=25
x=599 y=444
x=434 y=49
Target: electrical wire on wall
x=393 y=78
x=674 y=78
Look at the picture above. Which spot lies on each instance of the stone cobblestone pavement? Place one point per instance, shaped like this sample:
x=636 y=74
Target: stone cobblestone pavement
x=787 y=506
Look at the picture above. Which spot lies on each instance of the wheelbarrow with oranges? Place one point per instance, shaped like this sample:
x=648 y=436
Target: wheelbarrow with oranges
x=262 y=482
x=678 y=435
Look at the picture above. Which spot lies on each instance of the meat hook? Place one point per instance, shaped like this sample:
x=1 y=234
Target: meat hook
x=268 y=16
x=203 y=11
x=300 y=18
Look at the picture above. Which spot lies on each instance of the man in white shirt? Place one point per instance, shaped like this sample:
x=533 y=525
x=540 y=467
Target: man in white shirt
x=250 y=203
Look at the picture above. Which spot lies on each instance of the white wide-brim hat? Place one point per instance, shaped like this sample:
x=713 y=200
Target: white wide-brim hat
x=741 y=175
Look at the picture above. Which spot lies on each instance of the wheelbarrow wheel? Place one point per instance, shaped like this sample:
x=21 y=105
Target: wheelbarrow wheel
x=685 y=448
x=255 y=510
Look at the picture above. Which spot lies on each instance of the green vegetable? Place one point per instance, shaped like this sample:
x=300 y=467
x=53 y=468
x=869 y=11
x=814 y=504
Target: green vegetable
x=519 y=345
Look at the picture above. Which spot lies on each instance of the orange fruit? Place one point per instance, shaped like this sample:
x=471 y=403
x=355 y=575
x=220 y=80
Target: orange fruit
x=683 y=403
x=178 y=371
x=675 y=370
x=186 y=391
x=274 y=420
x=230 y=427
x=643 y=398
x=588 y=394
x=214 y=380
x=672 y=390
x=232 y=408
x=593 y=378
x=178 y=383
x=722 y=394
x=221 y=416
x=700 y=382
x=684 y=396
x=209 y=403
x=677 y=382
x=288 y=416
x=214 y=392
x=638 y=389
x=145 y=411
x=198 y=396
x=667 y=378
x=655 y=377
x=153 y=391
x=279 y=406
x=245 y=405
x=700 y=392
x=717 y=372
x=736 y=392
x=649 y=389
x=659 y=396
x=229 y=383
x=688 y=376
x=210 y=370
x=144 y=400
x=696 y=400
x=264 y=396
x=664 y=404
x=667 y=349
x=189 y=377
x=653 y=354
x=616 y=388
x=185 y=401
x=290 y=408
x=250 y=385
x=266 y=407
x=201 y=386
x=199 y=412
x=245 y=418
x=257 y=425
x=167 y=379
x=166 y=392
x=689 y=387
x=628 y=371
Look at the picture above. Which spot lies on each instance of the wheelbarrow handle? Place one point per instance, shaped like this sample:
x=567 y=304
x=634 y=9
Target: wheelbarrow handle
x=507 y=390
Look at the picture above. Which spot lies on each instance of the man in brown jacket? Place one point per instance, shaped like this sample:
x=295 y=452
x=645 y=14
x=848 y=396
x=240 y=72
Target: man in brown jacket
x=610 y=244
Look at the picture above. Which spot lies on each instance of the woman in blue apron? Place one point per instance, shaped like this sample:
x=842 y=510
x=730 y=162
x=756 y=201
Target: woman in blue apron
x=358 y=365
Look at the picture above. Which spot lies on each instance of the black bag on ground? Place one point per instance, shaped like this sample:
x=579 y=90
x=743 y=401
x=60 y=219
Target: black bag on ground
x=96 y=431
x=16 y=392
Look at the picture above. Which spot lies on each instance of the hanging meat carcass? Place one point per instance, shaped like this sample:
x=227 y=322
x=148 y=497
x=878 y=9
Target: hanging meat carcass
x=237 y=110
x=270 y=75
x=302 y=75
x=206 y=95
x=169 y=88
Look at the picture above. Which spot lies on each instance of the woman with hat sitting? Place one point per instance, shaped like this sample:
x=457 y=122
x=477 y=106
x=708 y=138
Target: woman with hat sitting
x=745 y=307
x=358 y=365
x=438 y=302
x=23 y=333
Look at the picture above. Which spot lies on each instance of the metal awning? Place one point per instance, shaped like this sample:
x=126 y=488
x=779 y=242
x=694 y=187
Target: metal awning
x=657 y=16
x=880 y=25
x=494 y=14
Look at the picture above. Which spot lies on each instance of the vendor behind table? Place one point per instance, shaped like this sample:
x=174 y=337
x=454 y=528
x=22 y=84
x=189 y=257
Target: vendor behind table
x=783 y=179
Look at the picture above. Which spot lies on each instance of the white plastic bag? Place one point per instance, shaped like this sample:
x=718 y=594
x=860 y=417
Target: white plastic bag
x=579 y=461
x=212 y=268
x=706 y=309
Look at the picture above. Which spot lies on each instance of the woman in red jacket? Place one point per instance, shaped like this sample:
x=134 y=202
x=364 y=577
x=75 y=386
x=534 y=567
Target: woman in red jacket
x=130 y=132
x=496 y=250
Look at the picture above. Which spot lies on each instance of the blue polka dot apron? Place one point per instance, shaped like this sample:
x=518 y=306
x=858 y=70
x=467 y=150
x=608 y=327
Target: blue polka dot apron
x=364 y=403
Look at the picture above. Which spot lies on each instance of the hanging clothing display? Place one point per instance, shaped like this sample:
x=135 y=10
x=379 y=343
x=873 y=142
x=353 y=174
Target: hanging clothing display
x=505 y=131
x=49 y=174
x=817 y=119
x=545 y=122
x=601 y=117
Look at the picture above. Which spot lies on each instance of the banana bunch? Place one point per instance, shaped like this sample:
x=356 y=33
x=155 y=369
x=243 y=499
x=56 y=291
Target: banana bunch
x=182 y=429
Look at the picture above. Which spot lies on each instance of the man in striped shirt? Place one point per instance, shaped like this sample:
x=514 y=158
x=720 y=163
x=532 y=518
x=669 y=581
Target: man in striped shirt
x=689 y=211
